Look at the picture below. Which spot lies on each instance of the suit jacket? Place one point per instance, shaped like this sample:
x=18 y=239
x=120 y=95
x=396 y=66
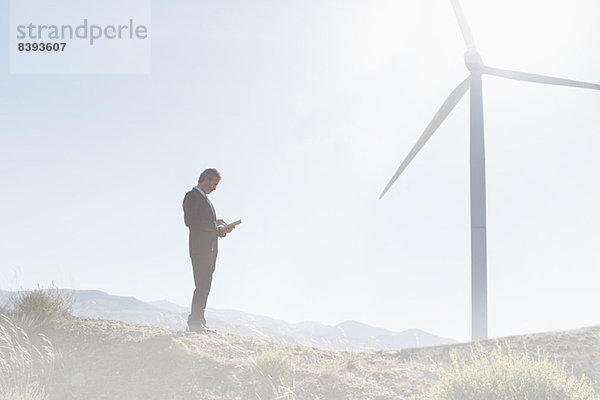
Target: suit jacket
x=201 y=219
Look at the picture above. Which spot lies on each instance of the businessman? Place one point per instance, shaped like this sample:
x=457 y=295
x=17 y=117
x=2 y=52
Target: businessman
x=201 y=219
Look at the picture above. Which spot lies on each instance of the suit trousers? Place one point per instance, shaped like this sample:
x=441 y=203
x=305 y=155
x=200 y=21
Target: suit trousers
x=203 y=265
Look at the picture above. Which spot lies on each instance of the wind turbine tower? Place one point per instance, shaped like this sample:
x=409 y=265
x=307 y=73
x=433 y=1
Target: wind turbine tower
x=476 y=67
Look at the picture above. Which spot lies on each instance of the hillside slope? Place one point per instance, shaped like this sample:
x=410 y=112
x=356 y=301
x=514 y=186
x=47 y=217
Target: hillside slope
x=98 y=359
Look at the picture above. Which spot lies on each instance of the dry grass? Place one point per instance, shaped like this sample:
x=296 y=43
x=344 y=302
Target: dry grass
x=501 y=374
x=23 y=365
x=35 y=309
x=273 y=374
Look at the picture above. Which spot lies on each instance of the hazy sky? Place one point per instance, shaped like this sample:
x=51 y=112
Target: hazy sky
x=307 y=108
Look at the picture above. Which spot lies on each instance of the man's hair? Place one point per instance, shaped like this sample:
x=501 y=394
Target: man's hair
x=210 y=173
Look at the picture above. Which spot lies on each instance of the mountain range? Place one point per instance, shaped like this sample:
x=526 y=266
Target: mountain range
x=348 y=335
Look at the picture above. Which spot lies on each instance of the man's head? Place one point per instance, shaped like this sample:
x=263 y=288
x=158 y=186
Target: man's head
x=209 y=179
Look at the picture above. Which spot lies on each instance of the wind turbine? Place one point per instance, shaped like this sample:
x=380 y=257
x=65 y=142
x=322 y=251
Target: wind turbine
x=477 y=68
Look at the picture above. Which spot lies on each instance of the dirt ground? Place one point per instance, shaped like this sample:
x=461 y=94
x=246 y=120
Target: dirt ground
x=98 y=359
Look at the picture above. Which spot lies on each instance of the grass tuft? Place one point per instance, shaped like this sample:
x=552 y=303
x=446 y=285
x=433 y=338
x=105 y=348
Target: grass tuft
x=40 y=307
x=22 y=364
x=504 y=375
x=273 y=374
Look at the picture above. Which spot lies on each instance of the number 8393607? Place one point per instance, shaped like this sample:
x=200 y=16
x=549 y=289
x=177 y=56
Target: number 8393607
x=41 y=46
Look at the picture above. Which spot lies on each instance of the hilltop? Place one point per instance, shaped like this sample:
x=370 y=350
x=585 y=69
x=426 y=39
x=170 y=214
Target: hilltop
x=101 y=359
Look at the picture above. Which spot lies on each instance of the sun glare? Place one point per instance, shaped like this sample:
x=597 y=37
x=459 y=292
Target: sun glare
x=521 y=33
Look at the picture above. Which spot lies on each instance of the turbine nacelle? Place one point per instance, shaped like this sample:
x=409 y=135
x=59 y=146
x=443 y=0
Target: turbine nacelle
x=473 y=61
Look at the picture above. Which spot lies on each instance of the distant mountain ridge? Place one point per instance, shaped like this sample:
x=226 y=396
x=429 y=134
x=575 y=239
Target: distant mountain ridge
x=348 y=335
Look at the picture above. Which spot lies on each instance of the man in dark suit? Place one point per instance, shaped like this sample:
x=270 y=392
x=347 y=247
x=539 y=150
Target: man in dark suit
x=200 y=217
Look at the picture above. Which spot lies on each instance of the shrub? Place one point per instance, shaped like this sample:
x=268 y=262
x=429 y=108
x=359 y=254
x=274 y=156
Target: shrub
x=272 y=372
x=502 y=375
x=40 y=307
x=331 y=369
x=22 y=364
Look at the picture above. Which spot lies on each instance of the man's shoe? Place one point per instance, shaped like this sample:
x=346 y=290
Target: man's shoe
x=199 y=328
x=196 y=327
x=207 y=329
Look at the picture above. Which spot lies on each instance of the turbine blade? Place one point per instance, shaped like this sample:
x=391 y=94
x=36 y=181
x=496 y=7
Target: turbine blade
x=464 y=25
x=525 y=76
x=437 y=120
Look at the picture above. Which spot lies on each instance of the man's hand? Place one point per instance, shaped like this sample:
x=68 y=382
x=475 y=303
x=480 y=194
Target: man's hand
x=223 y=229
x=228 y=228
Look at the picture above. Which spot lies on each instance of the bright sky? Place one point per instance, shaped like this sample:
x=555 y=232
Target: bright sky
x=307 y=108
